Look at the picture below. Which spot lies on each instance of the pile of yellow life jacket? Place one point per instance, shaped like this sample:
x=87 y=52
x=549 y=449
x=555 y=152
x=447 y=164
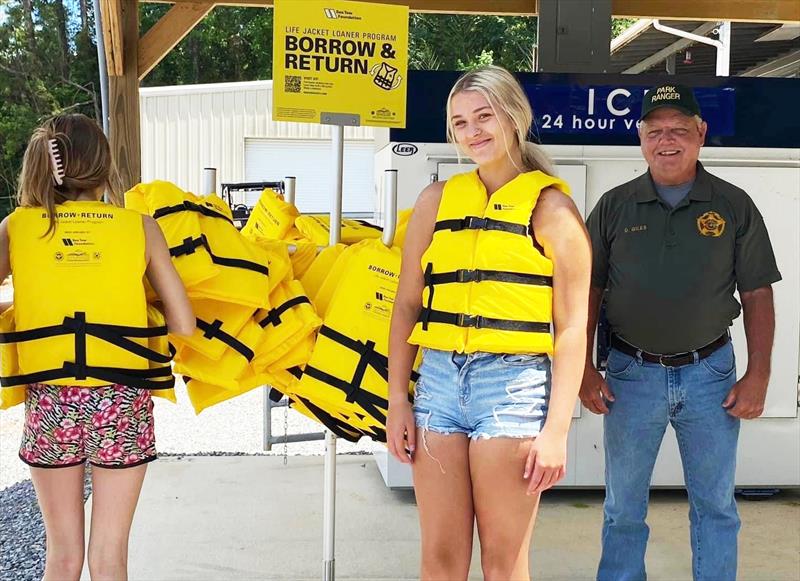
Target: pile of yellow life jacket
x=254 y=321
x=352 y=286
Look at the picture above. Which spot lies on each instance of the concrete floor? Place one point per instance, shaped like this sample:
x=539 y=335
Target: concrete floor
x=226 y=518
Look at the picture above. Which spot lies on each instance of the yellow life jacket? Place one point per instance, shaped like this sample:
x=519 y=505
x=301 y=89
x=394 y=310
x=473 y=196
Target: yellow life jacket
x=488 y=285
x=348 y=370
x=80 y=315
x=194 y=267
x=317 y=228
x=278 y=261
x=212 y=257
x=225 y=371
x=272 y=217
x=320 y=269
x=218 y=323
x=305 y=251
x=204 y=395
x=286 y=325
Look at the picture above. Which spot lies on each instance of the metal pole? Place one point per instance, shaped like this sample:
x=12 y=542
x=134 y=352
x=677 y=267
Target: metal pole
x=289 y=185
x=329 y=493
x=389 y=206
x=337 y=134
x=724 y=49
x=101 y=63
x=267 y=431
x=209 y=180
x=329 y=509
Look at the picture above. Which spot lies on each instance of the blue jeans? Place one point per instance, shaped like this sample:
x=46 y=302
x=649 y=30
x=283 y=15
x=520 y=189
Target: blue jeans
x=647 y=397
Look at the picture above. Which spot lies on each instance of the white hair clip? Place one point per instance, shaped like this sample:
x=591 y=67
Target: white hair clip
x=56 y=161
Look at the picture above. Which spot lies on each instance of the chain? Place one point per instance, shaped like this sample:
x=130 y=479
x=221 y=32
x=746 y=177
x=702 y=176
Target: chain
x=286 y=434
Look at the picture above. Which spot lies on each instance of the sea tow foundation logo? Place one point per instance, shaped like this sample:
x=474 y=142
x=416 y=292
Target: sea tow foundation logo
x=711 y=224
x=405 y=149
x=333 y=14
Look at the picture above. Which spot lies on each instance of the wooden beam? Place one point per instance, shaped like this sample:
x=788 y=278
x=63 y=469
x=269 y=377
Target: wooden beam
x=112 y=33
x=501 y=7
x=734 y=10
x=169 y=31
x=123 y=97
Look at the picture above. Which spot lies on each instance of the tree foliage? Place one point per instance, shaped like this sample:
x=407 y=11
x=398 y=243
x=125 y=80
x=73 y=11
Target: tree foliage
x=48 y=64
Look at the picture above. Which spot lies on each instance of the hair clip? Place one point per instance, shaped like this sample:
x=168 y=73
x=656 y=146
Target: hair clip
x=56 y=161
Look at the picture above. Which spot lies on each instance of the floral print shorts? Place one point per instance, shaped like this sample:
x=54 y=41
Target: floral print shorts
x=110 y=426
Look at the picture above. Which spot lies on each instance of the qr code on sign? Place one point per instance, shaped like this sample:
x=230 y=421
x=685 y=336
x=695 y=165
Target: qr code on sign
x=292 y=84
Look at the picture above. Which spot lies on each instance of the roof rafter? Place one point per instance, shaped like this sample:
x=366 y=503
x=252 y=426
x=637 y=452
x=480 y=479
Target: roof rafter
x=733 y=10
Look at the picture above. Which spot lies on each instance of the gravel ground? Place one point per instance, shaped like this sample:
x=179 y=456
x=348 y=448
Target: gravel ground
x=233 y=427
x=22 y=543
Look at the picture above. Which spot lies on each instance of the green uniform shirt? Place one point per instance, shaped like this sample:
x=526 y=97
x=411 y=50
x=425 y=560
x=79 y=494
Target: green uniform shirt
x=670 y=273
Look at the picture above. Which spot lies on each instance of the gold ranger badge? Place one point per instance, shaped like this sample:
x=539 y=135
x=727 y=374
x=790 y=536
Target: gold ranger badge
x=711 y=224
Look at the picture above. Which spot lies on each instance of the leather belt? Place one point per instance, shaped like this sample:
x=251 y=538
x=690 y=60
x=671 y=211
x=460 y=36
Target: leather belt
x=675 y=360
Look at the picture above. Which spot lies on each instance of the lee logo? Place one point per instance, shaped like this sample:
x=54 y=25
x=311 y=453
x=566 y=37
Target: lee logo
x=711 y=224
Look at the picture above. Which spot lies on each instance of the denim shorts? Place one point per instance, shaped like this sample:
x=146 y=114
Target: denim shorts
x=482 y=395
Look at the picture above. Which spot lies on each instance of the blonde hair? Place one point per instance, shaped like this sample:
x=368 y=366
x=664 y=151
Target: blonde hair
x=504 y=94
x=85 y=159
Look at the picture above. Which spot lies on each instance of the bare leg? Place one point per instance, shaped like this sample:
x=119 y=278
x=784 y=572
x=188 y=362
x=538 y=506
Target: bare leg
x=445 y=505
x=504 y=512
x=60 y=494
x=115 y=493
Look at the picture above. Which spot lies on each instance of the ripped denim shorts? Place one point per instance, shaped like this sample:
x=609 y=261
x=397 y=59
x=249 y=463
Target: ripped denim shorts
x=483 y=395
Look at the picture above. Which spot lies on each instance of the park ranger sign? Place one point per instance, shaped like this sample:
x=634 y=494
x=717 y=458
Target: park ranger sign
x=340 y=62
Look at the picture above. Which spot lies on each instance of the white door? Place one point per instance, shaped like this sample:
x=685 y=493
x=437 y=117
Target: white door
x=310 y=161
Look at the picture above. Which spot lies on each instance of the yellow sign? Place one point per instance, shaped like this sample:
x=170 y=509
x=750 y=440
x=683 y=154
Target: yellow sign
x=340 y=62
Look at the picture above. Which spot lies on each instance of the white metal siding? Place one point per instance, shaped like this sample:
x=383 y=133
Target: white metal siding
x=186 y=128
x=311 y=162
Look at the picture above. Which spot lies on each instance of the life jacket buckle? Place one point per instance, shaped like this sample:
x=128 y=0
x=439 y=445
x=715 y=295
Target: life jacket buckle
x=464 y=320
x=475 y=223
x=465 y=275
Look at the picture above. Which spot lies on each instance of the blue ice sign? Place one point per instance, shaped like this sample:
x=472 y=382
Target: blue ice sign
x=572 y=109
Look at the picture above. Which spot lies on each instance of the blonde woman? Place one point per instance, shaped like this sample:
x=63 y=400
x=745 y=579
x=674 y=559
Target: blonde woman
x=492 y=258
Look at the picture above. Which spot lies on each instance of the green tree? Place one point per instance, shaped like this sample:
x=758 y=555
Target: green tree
x=48 y=65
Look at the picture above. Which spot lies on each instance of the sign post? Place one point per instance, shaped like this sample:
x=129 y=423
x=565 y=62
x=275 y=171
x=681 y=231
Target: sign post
x=339 y=63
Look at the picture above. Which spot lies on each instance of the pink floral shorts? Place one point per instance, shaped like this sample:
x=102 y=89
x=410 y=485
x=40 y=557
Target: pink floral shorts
x=110 y=426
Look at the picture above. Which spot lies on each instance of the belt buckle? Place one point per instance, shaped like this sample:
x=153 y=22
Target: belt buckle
x=661 y=361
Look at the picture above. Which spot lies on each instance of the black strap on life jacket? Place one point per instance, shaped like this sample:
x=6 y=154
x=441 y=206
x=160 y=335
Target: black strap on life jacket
x=214 y=330
x=118 y=335
x=479 y=223
x=336 y=425
x=368 y=225
x=190 y=245
x=351 y=387
x=187 y=206
x=273 y=316
x=478 y=322
x=430 y=315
